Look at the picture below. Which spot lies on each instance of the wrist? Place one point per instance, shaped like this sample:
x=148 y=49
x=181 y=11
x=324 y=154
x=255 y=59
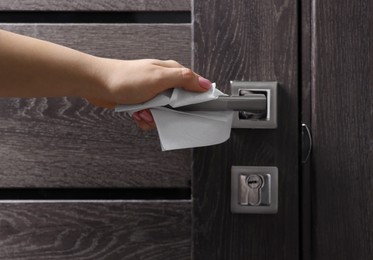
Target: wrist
x=95 y=79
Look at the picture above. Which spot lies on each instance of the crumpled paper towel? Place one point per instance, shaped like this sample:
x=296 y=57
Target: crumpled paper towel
x=186 y=129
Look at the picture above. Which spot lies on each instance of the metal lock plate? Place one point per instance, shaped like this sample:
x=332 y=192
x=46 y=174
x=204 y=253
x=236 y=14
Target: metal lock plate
x=254 y=190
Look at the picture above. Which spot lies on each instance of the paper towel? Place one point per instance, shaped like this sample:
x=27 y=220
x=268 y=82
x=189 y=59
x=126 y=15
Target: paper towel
x=180 y=129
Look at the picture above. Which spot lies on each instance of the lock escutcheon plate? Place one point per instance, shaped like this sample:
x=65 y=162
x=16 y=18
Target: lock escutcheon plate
x=254 y=190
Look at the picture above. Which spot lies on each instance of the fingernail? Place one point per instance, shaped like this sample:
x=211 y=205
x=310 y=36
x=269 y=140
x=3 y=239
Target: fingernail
x=136 y=116
x=204 y=83
x=145 y=115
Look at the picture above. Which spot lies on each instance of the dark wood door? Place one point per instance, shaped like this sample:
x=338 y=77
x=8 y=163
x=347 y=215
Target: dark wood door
x=249 y=41
x=338 y=105
x=74 y=181
x=320 y=52
x=71 y=173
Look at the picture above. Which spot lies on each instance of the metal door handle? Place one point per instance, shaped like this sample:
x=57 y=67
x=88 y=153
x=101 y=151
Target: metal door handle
x=251 y=102
x=254 y=103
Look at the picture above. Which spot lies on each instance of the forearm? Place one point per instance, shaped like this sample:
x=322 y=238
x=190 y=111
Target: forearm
x=35 y=68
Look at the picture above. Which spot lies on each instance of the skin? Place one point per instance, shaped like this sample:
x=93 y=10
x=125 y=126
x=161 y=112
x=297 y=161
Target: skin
x=34 y=68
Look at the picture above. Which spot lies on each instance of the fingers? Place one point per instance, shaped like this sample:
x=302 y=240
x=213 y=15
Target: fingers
x=144 y=126
x=204 y=83
x=186 y=79
x=144 y=119
x=167 y=63
x=179 y=76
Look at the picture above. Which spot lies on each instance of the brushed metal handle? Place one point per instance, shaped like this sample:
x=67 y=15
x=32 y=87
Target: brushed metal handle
x=254 y=103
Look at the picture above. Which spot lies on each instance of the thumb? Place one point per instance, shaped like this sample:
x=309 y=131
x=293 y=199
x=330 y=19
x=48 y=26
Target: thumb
x=185 y=78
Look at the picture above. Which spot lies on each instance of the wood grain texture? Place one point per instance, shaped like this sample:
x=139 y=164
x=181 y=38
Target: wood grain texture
x=95 y=5
x=342 y=124
x=106 y=230
x=65 y=142
x=120 y=41
x=253 y=41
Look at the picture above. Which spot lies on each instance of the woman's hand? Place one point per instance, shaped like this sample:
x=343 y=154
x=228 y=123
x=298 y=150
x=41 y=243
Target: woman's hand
x=137 y=81
x=34 y=68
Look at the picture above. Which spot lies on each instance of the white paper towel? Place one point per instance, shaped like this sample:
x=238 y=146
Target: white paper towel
x=179 y=129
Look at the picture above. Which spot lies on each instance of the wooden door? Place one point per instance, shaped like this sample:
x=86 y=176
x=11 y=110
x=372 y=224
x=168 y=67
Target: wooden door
x=79 y=182
x=320 y=52
x=338 y=105
x=249 y=41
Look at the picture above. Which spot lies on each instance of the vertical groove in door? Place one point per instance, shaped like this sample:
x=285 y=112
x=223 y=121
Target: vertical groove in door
x=304 y=54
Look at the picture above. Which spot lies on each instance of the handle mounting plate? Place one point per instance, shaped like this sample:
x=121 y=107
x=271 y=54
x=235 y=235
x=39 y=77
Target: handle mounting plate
x=269 y=89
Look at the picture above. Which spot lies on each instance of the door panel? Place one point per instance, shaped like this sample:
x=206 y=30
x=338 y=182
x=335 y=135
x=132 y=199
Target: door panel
x=96 y=5
x=66 y=142
x=54 y=143
x=95 y=230
x=252 y=41
x=342 y=127
x=119 y=41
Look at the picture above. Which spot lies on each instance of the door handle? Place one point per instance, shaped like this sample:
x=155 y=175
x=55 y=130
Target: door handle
x=251 y=102
x=254 y=104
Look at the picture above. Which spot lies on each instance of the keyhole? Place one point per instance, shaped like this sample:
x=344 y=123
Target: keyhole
x=254 y=181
